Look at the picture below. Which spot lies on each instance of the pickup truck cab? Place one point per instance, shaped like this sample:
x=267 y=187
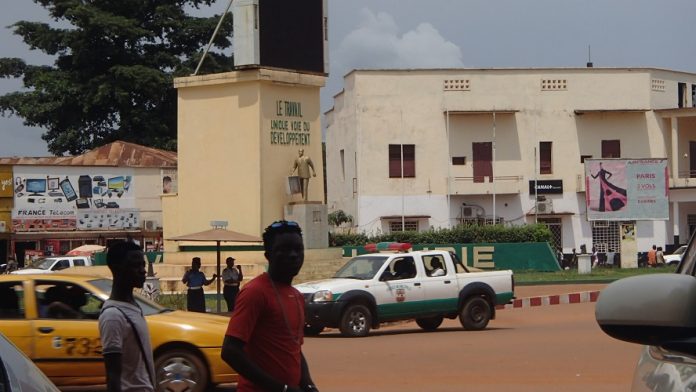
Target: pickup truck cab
x=56 y=263
x=425 y=285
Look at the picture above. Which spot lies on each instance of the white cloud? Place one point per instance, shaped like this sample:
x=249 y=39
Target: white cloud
x=378 y=43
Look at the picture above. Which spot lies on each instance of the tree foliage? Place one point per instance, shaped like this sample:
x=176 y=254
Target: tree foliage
x=337 y=218
x=112 y=79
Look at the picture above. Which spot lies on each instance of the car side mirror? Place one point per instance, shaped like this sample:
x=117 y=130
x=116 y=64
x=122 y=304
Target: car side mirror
x=656 y=310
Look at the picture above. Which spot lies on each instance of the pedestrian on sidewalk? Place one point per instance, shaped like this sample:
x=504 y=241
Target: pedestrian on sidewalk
x=652 y=256
x=124 y=335
x=659 y=257
x=264 y=337
x=195 y=279
x=232 y=277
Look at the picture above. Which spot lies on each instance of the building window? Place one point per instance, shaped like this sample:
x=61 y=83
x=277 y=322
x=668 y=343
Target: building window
x=343 y=164
x=409 y=225
x=458 y=161
x=554 y=84
x=681 y=95
x=544 y=157
x=606 y=236
x=396 y=170
x=611 y=148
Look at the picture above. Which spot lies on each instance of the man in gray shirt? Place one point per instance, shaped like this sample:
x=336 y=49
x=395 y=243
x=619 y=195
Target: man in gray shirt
x=124 y=334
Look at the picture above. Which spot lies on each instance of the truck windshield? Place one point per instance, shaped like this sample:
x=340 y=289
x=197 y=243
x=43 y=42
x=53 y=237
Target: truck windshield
x=363 y=267
x=43 y=264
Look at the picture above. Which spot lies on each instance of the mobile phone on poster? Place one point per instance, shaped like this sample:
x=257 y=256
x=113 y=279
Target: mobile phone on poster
x=68 y=190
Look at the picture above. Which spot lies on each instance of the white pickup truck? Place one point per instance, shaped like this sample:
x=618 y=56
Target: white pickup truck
x=54 y=263
x=425 y=285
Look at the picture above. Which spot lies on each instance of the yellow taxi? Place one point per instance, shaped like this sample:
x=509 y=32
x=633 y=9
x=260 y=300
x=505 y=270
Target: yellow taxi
x=52 y=318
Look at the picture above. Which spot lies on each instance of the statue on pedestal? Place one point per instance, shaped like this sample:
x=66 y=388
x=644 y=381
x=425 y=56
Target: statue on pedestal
x=302 y=165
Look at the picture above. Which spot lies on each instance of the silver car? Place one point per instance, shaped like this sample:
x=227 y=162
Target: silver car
x=18 y=373
x=658 y=311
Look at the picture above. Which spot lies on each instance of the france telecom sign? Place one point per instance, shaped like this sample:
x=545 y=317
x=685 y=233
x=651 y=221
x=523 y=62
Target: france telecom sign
x=626 y=189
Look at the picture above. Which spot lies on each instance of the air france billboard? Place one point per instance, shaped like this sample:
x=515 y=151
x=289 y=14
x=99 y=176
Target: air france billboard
x=626 y=189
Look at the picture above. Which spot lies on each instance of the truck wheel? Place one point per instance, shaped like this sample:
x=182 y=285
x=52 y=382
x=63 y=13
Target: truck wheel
x=180 y=370
x=313 y=330
x=429 y=323
x=356 y=321
x=475 y=314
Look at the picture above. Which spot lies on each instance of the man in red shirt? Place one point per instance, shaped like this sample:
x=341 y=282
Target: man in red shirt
x=263 y=342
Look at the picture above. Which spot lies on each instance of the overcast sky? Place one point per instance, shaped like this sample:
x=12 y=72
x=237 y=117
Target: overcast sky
x=448 y=33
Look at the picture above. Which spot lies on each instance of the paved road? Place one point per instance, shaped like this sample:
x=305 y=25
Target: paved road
x=551 y=348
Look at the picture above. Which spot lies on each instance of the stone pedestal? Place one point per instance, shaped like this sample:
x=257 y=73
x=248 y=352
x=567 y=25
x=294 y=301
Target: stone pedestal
x=584 y=263
x=312 y=218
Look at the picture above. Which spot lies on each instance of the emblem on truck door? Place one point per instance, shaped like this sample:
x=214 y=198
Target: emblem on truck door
x=400 y=295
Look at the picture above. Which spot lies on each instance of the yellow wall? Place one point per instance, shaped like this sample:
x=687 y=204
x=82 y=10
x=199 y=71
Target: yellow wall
x=227 y=167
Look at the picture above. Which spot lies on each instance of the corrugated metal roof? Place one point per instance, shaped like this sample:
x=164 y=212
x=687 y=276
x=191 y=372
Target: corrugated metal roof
x=117 y=154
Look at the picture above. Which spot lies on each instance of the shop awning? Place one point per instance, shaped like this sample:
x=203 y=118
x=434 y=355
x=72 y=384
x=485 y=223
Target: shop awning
x=43 y=235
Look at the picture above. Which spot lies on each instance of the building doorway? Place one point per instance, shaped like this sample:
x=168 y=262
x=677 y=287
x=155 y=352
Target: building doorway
x=483 y=161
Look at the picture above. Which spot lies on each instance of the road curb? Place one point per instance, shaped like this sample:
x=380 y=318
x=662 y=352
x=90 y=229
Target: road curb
x=556 y=299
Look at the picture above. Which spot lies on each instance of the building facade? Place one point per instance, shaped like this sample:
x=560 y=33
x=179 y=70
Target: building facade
x=58 y=203
x=422 y=149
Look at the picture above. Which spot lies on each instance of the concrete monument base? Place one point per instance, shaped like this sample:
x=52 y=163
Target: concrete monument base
x=312 y=217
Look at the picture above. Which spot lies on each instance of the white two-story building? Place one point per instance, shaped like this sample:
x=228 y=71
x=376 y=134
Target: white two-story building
x=422 y=149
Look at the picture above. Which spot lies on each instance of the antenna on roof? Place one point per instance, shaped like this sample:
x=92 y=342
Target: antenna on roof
x=589 y=56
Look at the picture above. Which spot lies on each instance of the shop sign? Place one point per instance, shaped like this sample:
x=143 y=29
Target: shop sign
x=546 y=187
x=6 y=187
x=69 y=198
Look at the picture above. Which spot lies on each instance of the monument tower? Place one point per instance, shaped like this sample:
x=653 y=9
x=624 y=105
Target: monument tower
x=239 y=132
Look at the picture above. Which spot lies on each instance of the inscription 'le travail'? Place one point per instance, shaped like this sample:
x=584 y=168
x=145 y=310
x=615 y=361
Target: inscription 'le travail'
x=289 y=131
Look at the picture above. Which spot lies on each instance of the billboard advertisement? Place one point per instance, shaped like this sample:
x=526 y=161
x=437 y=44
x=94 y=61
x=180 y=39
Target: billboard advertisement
x=51 y=198
x=626 y=189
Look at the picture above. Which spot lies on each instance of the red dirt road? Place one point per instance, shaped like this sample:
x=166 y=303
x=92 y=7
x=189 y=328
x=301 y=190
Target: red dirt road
x=549 y=348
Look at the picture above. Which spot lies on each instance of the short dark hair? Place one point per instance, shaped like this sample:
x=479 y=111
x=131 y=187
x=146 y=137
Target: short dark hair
x=118 y=252
x=276 y=228
x=230 y=259
x=196 y=259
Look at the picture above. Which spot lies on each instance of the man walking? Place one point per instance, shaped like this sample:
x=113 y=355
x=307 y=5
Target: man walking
x=264 y=337
x=232 y=277
x=124 y=334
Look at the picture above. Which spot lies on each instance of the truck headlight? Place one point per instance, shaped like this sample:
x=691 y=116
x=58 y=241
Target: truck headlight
x=322 y=296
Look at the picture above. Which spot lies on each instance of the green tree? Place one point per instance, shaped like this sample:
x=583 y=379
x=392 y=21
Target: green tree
x=112 y=78
x=337 y=218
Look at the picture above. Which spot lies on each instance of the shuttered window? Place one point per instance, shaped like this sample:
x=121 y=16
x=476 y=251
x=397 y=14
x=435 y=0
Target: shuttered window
x=611 y=148
x=409 y=160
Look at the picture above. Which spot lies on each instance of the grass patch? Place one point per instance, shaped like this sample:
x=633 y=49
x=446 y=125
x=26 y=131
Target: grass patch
x=598 y=274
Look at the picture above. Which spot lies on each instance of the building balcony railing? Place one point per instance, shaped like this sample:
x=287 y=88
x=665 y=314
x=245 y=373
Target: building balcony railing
x=499 y=185
x=685 y=179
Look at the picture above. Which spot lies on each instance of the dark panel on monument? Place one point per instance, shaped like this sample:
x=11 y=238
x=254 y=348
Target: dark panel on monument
x=292 y=34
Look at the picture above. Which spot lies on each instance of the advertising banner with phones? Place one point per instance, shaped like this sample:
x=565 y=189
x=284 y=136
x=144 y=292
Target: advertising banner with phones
x=69 y=198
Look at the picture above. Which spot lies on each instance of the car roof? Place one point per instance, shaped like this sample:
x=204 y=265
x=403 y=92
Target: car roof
x=54 y=276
